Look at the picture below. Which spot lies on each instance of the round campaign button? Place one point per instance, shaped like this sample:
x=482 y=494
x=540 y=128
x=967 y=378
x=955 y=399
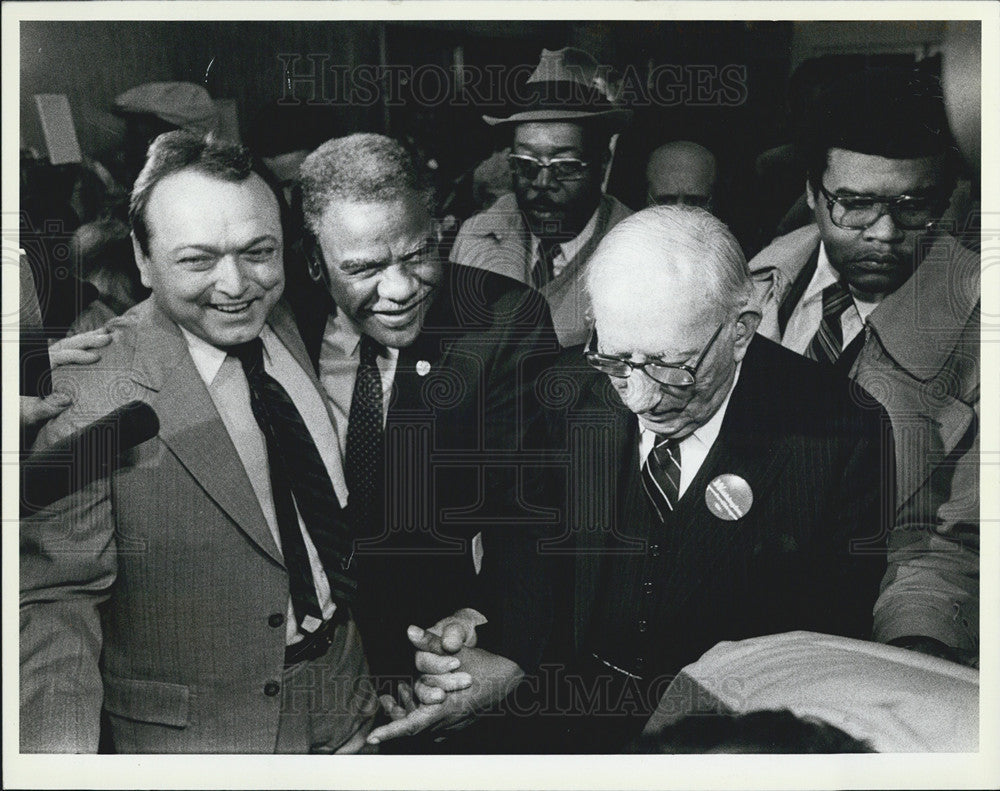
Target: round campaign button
x=423 y=367
x=729 y=497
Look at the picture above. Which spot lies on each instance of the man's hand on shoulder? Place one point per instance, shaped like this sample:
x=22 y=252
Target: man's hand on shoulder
x=79 y=349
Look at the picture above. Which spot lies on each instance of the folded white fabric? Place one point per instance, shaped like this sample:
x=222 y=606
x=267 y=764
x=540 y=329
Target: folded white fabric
x=896 y=700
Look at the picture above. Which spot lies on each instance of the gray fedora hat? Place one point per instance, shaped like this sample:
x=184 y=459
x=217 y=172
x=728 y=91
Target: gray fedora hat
x=567 y=85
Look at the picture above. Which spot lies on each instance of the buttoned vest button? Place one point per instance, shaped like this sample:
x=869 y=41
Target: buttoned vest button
x=272 y=688
x=275 y=619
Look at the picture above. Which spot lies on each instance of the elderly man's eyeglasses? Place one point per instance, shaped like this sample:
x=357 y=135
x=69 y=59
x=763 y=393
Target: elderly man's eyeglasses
x=560 y=168
x=858 y=212
x=664 y=373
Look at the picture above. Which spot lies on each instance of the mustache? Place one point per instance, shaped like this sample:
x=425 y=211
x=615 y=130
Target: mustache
x=882 y=258
x=542 y=204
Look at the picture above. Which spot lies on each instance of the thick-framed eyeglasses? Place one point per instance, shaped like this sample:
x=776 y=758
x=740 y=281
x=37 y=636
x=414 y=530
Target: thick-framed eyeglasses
x=858 y=212
x=561 y=168
x=672 y=374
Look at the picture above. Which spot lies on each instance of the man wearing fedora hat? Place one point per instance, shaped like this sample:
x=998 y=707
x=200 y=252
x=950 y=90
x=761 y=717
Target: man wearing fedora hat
x=545 y=231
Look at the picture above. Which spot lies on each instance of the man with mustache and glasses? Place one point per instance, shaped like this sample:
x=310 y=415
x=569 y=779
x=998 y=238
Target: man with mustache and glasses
x=545 y=231
x=429 y=368
x=873 y=289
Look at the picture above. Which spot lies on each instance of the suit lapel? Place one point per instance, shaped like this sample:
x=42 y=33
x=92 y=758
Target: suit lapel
x=191 y=428
x=604 y=434
x=747 y=446
x=423 y=358
x=796 y=290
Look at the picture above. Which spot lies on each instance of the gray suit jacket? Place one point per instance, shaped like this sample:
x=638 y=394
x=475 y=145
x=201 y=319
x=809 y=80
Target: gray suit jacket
x=151 y=591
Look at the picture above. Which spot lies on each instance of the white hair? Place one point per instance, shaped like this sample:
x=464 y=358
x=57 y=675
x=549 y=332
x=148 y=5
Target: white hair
x=663 y=250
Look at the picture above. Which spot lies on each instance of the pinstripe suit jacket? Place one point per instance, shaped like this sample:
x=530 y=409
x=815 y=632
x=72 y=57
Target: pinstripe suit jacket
x=808 y=555
x=150 y=593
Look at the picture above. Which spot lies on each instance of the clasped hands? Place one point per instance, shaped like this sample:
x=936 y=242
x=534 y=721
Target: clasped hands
x=458 y=680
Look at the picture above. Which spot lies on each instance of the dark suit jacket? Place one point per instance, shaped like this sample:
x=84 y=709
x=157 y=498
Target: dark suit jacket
x=462 y=429
x=808 y=555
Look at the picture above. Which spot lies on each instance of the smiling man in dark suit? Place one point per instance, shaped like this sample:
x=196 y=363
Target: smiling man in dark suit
x=429 y=368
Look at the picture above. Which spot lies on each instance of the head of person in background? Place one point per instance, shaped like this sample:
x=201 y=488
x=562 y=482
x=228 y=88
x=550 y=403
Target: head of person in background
x=207 y=237
x=681 y=173
x=561 y=143
x=880 y=170
x=778 y=731
x=102 y=251
x=369 y=209
x=153 y=108
x=674 y=313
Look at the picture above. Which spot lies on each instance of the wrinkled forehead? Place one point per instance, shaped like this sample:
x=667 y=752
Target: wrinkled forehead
x=549 y=136
x=644 y=328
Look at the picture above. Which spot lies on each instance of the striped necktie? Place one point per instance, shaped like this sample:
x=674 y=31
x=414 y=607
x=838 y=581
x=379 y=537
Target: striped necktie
x=661 y=475
x=828 y=341
x=544 y=271
x=299 y=483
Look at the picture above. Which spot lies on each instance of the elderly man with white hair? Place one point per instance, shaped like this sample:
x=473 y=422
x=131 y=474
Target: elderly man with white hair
x=714 y=486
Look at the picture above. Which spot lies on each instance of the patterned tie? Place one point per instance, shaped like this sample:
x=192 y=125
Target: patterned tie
x=829 y=338
x=365 y=466
x=543 y=271
x=661 y=475
x=299 y=481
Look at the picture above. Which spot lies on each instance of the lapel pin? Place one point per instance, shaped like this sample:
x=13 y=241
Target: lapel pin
x=729 y=497
x=423 y=367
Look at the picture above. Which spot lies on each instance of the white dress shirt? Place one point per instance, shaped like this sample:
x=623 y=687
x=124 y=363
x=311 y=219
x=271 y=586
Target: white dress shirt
x=567 y=250
x=223 y=376
x=695 y=446
x=339 y=358
x=808 y=313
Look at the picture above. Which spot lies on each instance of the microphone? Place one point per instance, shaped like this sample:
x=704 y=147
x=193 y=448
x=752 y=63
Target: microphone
x=91 y=453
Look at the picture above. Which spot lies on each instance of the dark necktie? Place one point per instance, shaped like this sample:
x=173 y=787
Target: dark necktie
x=544 y=271
x=829 y=338
x=299 y=480
x=365 y=454
x=661 y=475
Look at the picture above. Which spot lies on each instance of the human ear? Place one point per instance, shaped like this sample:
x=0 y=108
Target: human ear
x=141 y=261
x=810 y=196
x=746 y=326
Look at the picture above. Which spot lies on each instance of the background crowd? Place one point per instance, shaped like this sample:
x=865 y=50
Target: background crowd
x=686 y=187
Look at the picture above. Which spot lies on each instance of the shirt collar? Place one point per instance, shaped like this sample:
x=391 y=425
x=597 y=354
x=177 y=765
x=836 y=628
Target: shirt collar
x=208 y=359
x=826 y=275
x=346 y=333
x=705 y=434
x=573 y=246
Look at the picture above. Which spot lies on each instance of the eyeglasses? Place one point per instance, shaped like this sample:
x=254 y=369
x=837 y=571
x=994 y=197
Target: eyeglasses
x=561 y=168
x=857 y=213
x=664 y=373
